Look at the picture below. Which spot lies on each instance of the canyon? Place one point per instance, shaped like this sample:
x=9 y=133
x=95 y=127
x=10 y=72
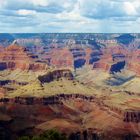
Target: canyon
x=83 y=85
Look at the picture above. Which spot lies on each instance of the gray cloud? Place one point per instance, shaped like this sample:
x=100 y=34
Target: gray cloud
x=50 y=6
x=105 y=10
x=69 y=15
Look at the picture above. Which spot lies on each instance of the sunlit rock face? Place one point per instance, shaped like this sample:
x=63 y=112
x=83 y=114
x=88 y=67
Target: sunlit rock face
x=17 y=57
x=14 y=53
x=58 y=53
x=1 y=48
x=61 y=58
x=117 y=58
x=101 y=65
x=85 y=85
x=104 y=54
x=2 y=93
x=75 y=57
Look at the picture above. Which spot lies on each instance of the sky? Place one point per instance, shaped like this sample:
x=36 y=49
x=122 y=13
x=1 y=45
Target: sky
x=92 y=16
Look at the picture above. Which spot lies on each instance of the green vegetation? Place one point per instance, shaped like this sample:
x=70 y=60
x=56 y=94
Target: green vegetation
x=47 y=135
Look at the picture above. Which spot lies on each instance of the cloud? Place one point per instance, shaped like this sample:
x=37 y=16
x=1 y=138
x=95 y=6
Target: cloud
x=51 y=6
x=69 y=15
x=107 y=9
x=24 y=12
x=17 y=22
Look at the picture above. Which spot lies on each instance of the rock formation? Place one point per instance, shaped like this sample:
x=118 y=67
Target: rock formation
x=83 y=86
x=59 y=111
x=55 y=75
x=61 y=58
x=16 y=57
x=132 y=116
x=2 y=91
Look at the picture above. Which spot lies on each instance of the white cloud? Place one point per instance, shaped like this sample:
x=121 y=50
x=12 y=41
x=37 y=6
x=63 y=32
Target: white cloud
x=70 y=15
x=39 y=2
x=2 y=3
x=130 y=8
x=110 y=8
x=25 y=12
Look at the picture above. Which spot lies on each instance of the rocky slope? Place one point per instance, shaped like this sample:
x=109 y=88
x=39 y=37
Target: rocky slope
x=69 y=114
x=85 y=85
x=16 y=57
x=108 y=55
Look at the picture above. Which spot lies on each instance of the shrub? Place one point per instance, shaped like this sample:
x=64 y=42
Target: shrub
x=47 y=135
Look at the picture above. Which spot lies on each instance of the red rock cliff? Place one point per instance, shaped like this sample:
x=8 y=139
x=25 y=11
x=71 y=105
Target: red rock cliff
x=17 y=57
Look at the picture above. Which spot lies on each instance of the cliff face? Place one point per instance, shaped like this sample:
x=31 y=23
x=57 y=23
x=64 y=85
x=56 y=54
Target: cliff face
x=132 y=116
x=106 y=58
x=16 y=57
x=101 y=65
x=14 y=53
x=2 y=91
x=55 y=75
x=1 y=48
x=111 y=58
x=74 y=57
x=61 y=58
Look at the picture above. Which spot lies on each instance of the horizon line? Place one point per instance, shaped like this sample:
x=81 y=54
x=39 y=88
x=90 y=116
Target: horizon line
x=67 y=33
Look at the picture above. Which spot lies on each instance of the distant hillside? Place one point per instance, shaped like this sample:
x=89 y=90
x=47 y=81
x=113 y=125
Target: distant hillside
x=125 y=39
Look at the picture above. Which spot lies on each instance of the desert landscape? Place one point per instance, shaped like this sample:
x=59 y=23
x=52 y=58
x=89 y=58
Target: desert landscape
x=85 y=85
